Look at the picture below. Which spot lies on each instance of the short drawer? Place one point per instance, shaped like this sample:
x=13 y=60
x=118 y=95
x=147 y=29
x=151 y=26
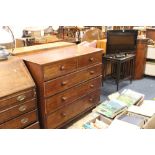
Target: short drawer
x=33 y=126
x=59 y=68
x=68 y=112
x=18 y=98
x=62 y=83
x=90 y=59
x=21 y=121
x=17 y=110
x=72 y=94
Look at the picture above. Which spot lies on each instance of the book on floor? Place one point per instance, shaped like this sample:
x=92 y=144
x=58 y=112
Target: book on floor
x=130 y=97
x=110 y=108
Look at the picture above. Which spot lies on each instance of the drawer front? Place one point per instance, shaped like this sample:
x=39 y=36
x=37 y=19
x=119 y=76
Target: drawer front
x=59 y=117
x=70 y=95
x=33 y=126
x=17 y=99
x=59 y=68
x=21 y=121
x=90 y=59
x=62 y=83
x=17 y=110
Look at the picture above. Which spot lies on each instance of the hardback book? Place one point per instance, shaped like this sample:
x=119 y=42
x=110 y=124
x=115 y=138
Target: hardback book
x=130 y=97
x=110 y=108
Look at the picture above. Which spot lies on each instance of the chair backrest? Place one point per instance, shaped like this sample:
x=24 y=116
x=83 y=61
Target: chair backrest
x=92 y=34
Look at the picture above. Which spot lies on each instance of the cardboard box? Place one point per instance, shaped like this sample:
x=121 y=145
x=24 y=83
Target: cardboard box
x=101 y=118
x=149 y=121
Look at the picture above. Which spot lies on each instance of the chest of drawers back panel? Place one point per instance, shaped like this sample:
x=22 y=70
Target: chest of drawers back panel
x=17 y=95
x=64 y=78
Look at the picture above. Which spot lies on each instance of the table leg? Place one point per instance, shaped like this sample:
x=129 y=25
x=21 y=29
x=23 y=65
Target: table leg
x=118 y=74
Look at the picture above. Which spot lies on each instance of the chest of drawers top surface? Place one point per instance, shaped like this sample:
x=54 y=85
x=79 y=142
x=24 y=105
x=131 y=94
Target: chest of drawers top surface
x=14 y=77
x=54 y=55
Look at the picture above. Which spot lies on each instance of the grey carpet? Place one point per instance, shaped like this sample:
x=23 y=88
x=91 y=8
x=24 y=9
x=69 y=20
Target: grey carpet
x=145 y=86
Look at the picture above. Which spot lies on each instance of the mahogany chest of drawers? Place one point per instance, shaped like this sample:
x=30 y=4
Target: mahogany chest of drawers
x=68 y=82
x=18 y=106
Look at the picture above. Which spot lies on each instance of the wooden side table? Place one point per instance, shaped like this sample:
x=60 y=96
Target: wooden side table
x=121 y=68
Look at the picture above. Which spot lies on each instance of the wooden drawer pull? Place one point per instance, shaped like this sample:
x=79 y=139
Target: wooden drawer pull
x=63 y=114
x=91 y=86
x=62 y=67
x=64 y=83
x=21 y=98
x=92 y=72
x=90 y=99
x=24 y=120
x=91 y=59
x=64 y=98
x=22 y=108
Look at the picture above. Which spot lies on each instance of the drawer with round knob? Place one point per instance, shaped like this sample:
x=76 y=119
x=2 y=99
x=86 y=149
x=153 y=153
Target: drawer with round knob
x=90 y=59
x=59 y=68
x=72 y=94
x=65 y=82
x=65 y=114
x=21 y=121
x=17 y=110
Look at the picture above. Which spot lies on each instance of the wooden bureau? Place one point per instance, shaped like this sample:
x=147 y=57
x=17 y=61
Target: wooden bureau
x=68 y=82
x=18 y=106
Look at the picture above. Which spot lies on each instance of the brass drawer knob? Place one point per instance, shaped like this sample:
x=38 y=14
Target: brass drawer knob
x=62 y=67
x=24 y=120
x=21 y=98
x=92 y=72
x=64 y=83
x=64 y=98
x=91 y=86
x=91 y=59
x=22 y=108
x=63 y=114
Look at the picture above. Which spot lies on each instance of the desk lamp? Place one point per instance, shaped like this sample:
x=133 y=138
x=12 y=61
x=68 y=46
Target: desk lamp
x=3 y=52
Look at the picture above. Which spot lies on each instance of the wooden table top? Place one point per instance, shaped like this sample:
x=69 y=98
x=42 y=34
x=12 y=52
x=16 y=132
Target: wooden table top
x=36 y=48
x=53 y=55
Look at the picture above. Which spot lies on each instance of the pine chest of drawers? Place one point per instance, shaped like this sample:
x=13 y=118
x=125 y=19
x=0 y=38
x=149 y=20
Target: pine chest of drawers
x=68 y=82
x=18 y=108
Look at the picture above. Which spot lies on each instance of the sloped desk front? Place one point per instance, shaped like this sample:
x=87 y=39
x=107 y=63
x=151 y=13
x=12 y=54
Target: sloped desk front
x=18 y=107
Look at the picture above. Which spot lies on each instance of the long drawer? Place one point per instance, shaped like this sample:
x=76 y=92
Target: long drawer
x=21 y=121
x=62 y=83
x=68 y=112
x=59 y=68
x=17 y=110
x=70 y=95
x=18 y=98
